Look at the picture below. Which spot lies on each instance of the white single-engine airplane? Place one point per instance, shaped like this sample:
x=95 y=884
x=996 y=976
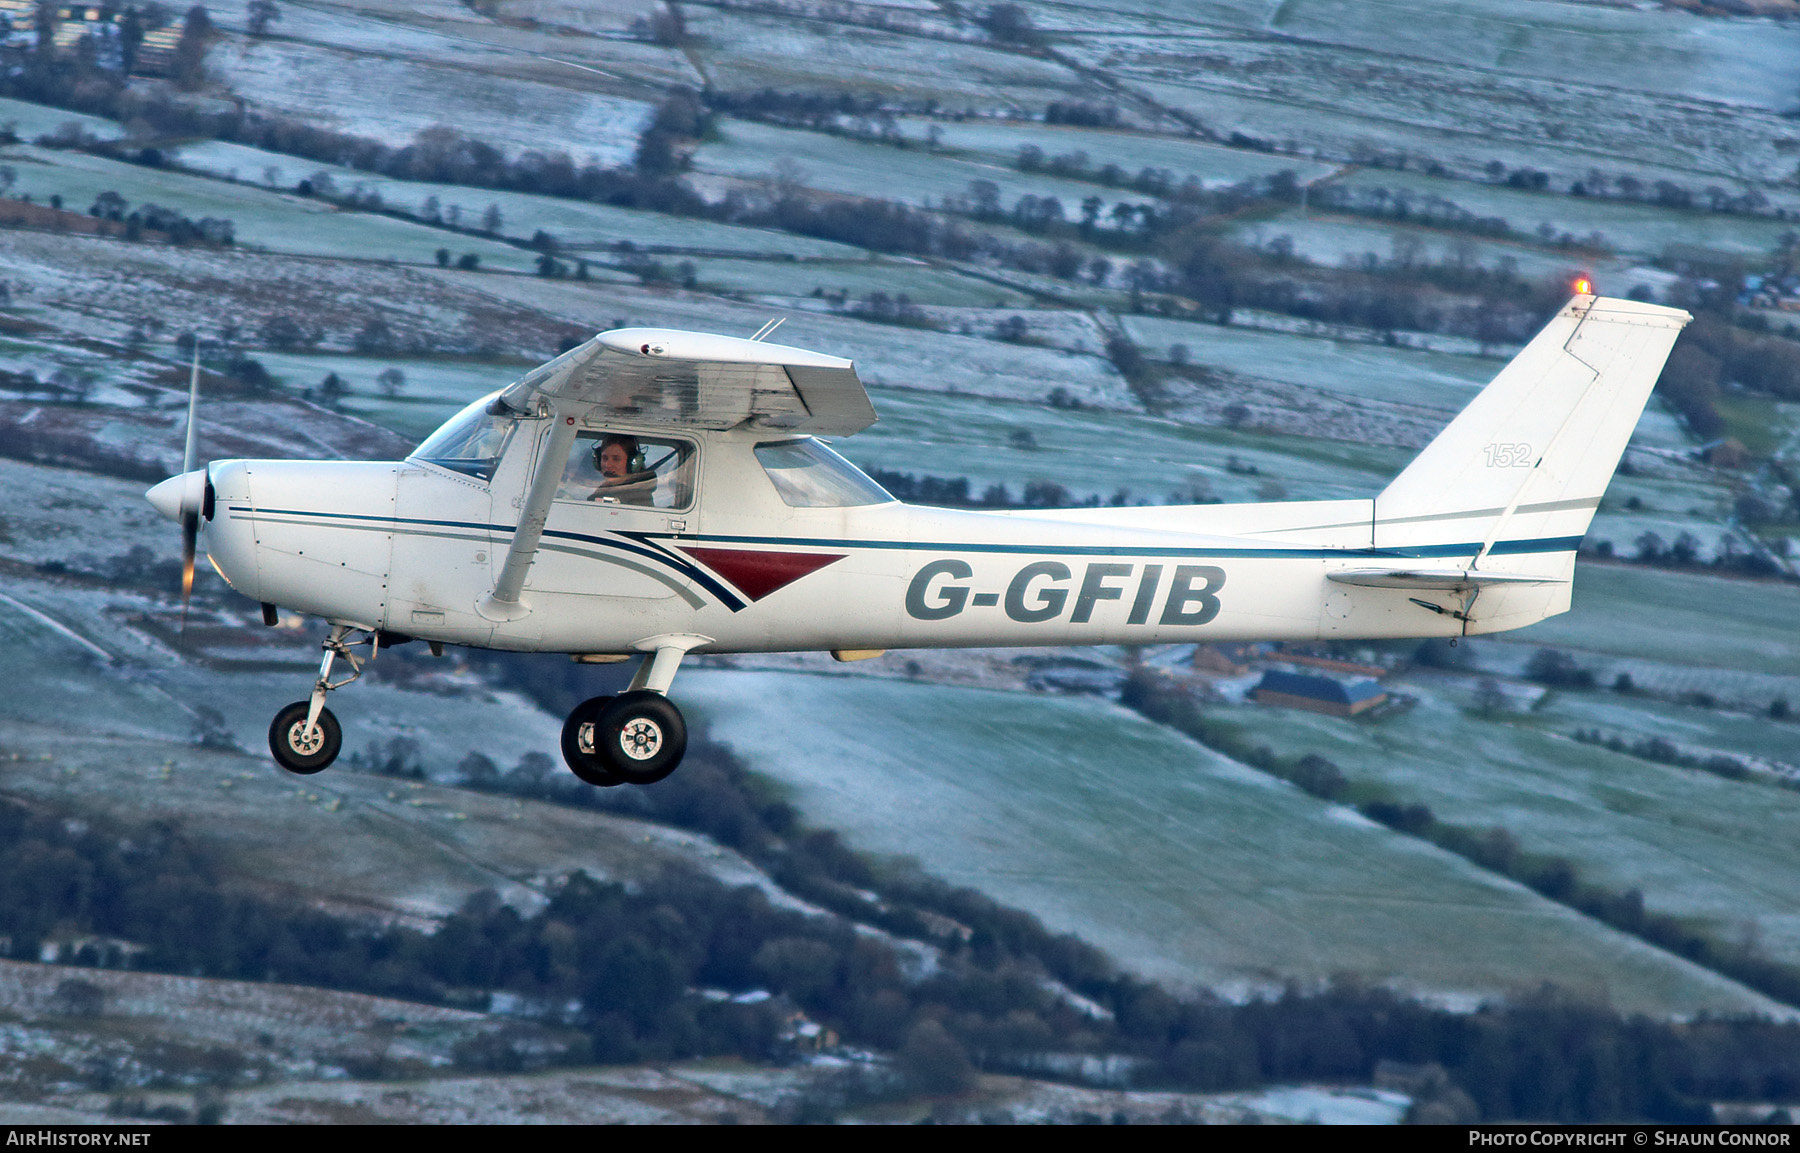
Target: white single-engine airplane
x=654 y=493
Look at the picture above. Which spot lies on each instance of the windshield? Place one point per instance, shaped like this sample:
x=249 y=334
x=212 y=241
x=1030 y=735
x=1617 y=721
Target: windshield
x=809 y=475
x=469 y=442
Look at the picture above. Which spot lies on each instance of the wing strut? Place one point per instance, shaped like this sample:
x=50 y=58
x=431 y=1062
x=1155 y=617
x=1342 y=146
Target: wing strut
x=503 y=603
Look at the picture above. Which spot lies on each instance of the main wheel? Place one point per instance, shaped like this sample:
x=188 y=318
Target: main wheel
x=578 y=744
x=296 y=752
x=641 y=736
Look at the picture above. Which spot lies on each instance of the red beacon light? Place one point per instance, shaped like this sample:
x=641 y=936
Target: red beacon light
x=1583 y=286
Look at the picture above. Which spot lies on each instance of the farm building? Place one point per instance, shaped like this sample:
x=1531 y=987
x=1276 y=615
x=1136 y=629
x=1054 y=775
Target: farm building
x=1230 y=659
x=1319 y=694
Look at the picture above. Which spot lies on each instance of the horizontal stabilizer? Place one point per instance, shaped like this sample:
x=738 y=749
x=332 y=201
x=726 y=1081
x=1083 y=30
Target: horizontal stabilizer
x=1437 y=580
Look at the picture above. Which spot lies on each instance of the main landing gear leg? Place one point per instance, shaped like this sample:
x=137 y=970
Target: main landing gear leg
x=635 y=738
x=305 y=737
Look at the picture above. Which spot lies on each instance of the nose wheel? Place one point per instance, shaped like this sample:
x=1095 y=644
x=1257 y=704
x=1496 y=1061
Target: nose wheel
x=302 y=748
x=304 y=737
x=636 y=738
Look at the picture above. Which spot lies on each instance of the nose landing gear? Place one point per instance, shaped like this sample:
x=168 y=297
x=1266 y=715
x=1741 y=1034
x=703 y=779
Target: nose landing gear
x=304 y=737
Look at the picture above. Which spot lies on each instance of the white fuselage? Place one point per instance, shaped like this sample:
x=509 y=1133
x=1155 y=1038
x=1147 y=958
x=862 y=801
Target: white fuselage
x=413 y=548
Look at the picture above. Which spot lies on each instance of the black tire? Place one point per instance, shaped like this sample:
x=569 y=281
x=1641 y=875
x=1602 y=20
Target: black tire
x=297 y=756
x=641 y=736
x=581 y=757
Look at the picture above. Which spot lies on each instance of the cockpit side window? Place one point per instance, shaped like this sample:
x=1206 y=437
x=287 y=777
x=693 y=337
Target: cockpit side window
x=809 y=475
x=630 y=469
x=470 y=442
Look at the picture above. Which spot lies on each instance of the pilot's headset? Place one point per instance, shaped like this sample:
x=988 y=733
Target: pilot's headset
x=634 y=453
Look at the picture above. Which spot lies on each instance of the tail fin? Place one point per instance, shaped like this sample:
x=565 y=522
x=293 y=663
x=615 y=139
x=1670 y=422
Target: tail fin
x=1511 y=485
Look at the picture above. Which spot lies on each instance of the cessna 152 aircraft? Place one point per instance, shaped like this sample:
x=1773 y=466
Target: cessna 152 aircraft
x=654 y=493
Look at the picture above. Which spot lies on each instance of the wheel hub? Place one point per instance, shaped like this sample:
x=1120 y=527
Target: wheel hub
x=641 y=738
x=301 y=743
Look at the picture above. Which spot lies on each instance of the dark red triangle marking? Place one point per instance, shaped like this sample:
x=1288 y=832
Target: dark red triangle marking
x=757 y=574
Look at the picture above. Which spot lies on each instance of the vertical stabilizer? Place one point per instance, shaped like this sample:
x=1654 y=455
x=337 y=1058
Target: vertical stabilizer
x=1511 y=485
x=1525 y=464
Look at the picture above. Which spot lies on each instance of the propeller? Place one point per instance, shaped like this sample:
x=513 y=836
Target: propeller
x=190 y=515
x=187 y=498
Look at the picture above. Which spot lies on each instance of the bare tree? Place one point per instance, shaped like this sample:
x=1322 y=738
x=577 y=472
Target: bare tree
x=189 y=64
x=262 y=14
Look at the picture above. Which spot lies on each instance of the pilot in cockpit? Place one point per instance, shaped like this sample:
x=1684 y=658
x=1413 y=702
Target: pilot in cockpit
x=623 y=477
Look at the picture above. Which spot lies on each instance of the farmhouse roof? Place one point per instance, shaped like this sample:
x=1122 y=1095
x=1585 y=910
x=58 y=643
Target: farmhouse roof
x=1319 y=688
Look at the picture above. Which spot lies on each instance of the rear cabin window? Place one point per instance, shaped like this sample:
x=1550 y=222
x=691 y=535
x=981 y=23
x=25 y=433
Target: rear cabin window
x=628 y=469
x=809 y=475
x=469 y=442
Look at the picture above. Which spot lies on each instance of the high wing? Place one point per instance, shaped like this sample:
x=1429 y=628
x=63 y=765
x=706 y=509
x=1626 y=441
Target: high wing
x=698 y=380
x=669 y=377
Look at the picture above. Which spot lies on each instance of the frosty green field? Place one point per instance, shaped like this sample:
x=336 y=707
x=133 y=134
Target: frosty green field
x=1303 y=91
x=277 y=221
x=746 y=149
x=1369 y=371
x=747 y=51
x=431 y=391
x=573 y=223
x=30 y=121
x=1636 y=229
x=1695 y=844
x=1178 y=862
x=1696 y=730
x=395 y=99
x=1334 y=241
x=1677 y=52
x=1211 y=164
x=922 y=284
x=1100 y=453
x=1626 y=610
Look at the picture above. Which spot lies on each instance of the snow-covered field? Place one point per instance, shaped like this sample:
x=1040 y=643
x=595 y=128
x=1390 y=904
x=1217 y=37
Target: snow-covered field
x=444 y=33
x=1638 y=230
x=884 y=354
x=1211 y=164
x=1685 y=618
x=1175 y=860
x=277 y=221
x=1625 y=822
x=573 y=223
x=394 y=100
x=29 y=121
x=1340 y=240
x=1630 y=47
x=921 y=284
x=1631 y=101
x=1372 y=372
x=1101 y=453
x=744 y=52
x=99 y=289
x=750 y=150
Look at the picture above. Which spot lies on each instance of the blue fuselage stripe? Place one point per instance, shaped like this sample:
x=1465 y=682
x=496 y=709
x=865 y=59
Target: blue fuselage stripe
x=651 y=546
